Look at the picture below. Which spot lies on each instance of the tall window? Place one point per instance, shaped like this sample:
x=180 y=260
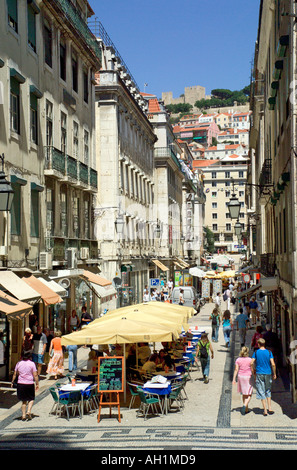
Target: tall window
x=12 y=14
x=63 y=60
x=50 y=211
x=31 y=27
x=63 y=211
x=15 y=212
x=75 y=215
x=48 y=46
x=49 y=123
x=86 y=85
x=34 y=213
x=33 y=119
x=86 y=147
x=75 y=140
x=63 y=133
x=87 y=218
x=74 y=72
x=14 y=105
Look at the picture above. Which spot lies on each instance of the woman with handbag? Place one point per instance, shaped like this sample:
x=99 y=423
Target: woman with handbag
x=26 y=374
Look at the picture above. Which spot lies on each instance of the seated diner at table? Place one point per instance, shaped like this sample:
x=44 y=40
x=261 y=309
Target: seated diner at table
x=144 y=352
x=169 y=364
x=150 y=366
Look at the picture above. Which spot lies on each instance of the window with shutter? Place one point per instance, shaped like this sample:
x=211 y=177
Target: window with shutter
x=12 y=14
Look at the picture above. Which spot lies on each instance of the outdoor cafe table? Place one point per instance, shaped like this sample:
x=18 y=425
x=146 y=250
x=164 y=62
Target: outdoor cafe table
x=161 y=389
x=88 y=374
x=78 y=387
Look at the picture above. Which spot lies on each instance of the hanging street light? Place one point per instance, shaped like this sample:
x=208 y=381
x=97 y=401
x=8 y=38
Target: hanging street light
x=6 y=191
x=234 y=205
x=237 y=228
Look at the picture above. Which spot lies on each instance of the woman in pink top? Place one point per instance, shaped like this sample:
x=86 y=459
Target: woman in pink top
x=26 y=372
x=244 y=373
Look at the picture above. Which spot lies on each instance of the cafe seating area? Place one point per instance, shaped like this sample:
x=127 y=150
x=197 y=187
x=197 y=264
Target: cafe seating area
x=149 y=378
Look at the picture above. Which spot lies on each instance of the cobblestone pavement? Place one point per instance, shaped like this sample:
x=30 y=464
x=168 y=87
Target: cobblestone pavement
x=211 y=418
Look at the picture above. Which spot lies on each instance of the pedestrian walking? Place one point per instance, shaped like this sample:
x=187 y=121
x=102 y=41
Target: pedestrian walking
x=245 y=377
x=227 y=298
x=73 y=322
x=227 y=327
x=218 y=302
x=28 y=343
x=204 y=352
x=26 y=373
x=72 y=357
x=40 y=342
x=254 y=311
x=215 y=324
x=242 y=322
x=56 y=363
x=257 y=335
x=264 y=366
x=181 y=297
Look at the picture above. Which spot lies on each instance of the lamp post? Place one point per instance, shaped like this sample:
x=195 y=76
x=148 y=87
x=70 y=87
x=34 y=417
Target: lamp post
x=6 y=197
x=234 y=205
x=237 y=228
x=6 y=191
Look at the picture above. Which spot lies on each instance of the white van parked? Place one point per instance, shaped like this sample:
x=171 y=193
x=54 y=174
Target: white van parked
x=190 y=295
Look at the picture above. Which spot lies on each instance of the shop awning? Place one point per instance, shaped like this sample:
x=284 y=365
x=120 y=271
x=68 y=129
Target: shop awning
x=13 y=308
x=95 y=279
x=182 y=262
x=54 y=286
x=160 y=265
x=178 y=264
x=48 y=295
x=11 y=283
x=104 y=291
x=249 y=291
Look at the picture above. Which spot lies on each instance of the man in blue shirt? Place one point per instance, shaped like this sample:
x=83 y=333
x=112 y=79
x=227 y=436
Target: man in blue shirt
x=265 y=371
x=242 y=321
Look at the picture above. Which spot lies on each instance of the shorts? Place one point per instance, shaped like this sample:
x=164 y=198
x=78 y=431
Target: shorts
x=263 y=386
x=37 y=358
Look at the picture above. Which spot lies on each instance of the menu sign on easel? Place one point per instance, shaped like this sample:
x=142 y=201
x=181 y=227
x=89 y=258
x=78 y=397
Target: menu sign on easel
x=111 y=374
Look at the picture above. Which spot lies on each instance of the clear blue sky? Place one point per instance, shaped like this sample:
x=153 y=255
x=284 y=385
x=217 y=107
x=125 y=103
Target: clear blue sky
x=174 y=44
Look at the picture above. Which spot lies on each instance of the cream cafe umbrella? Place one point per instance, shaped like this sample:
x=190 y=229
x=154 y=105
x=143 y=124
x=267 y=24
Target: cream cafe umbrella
x=149 y=312
x=120 y=330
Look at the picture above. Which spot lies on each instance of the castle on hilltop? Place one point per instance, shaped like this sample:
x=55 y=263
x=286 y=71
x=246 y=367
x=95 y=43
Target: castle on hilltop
x=190 y=95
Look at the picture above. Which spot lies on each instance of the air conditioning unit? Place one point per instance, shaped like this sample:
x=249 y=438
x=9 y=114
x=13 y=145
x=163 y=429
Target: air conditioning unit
x=45 y=260
x=84 y=253
x=71 y=258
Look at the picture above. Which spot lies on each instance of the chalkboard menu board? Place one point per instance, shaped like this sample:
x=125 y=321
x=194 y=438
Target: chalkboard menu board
x=111 y=374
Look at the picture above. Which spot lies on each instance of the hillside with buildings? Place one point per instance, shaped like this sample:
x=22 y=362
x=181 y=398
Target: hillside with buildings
x=219 y=144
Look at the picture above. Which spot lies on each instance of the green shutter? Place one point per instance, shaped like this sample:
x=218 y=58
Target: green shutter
x=12 y=9
x=14 y=86
x=33 y=101
x=34 y=213
x=31 y=27
x=15 y=212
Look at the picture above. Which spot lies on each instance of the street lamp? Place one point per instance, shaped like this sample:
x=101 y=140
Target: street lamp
x=119 y=224
x=237 y=228
x=234 y=206
x=6 y=191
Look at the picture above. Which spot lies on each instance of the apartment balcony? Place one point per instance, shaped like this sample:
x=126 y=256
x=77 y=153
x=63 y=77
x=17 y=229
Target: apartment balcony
x=267 y=264
x=67 y=169
x=55 y=162
x=86 y=249
x=71 y=21
x=162 y=153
